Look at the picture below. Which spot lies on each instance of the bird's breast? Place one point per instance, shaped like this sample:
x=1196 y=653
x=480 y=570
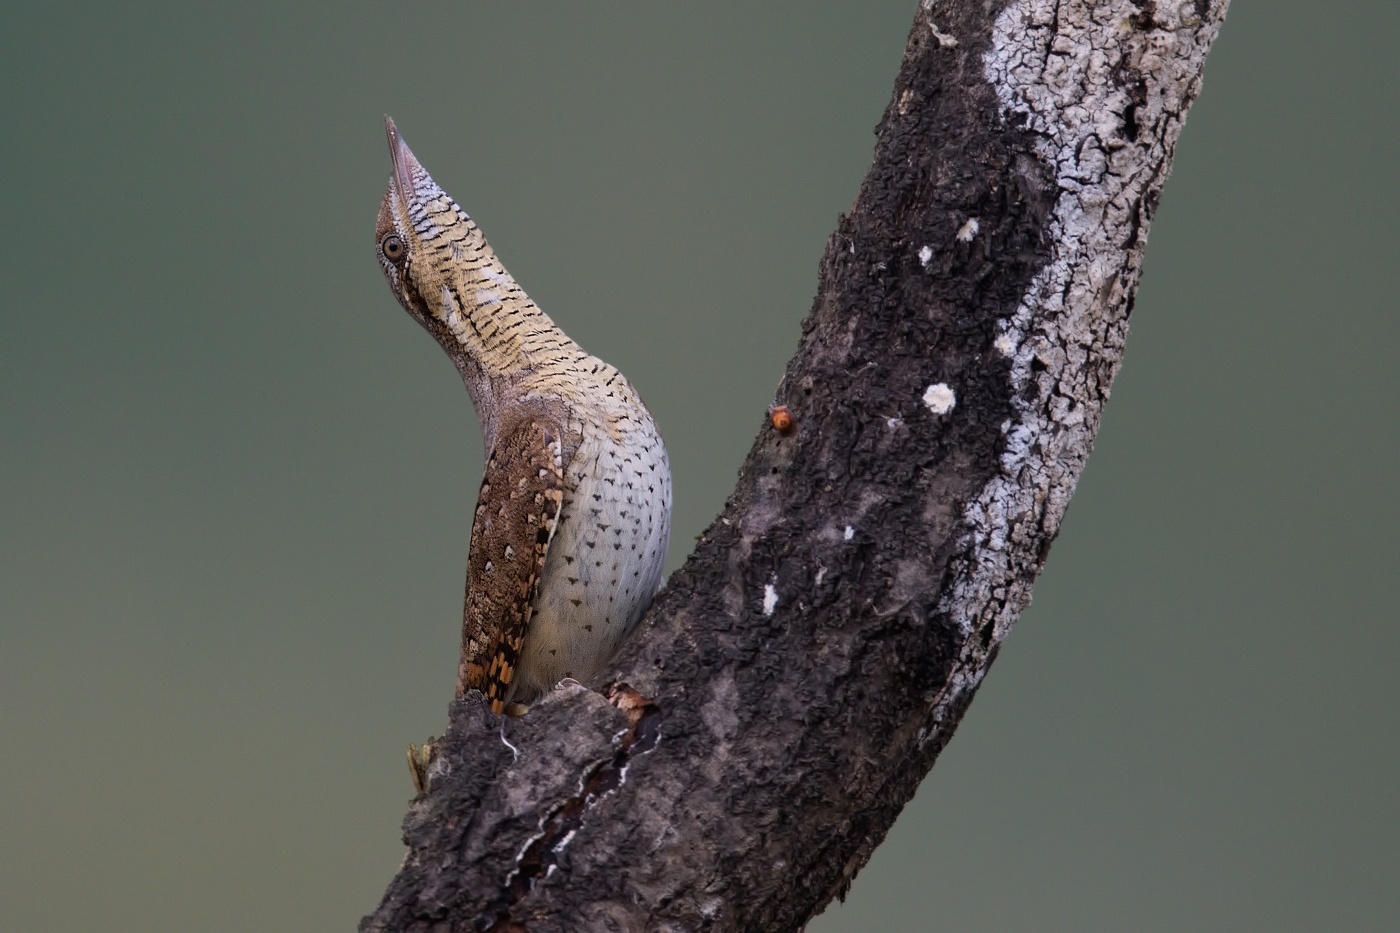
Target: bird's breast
x=606 y=557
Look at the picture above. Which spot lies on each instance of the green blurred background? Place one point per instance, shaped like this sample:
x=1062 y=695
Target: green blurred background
x=236 y=478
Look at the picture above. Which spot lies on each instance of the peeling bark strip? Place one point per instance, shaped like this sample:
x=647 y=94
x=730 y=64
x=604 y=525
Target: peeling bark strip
x=821 y=644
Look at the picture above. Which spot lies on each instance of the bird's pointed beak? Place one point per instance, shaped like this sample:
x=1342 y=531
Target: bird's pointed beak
x=403 y=159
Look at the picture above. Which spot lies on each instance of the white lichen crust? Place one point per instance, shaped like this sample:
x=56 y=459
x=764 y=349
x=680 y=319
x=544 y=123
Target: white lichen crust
x=770 y=599
x=1105 y=91
x=939 y=398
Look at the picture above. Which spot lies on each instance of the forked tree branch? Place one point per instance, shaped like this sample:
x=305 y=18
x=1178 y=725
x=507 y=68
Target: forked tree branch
x=819 y=647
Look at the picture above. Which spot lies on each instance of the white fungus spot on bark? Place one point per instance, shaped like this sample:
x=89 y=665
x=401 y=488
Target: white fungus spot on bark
x=1005 y=345
x=968 y=230
x=821 y=575
x=925 y=255
x=894 y=422
x=770 y=599
x=939 y=398
x=850 y=533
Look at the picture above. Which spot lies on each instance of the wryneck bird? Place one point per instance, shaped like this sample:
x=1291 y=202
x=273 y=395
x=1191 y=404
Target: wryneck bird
x=573 y=516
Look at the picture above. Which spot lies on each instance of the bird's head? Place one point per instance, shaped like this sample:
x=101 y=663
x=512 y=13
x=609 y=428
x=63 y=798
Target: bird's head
x=421 y=237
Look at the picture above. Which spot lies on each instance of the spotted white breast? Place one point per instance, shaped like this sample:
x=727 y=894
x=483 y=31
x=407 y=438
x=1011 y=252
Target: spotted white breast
x=606 y=558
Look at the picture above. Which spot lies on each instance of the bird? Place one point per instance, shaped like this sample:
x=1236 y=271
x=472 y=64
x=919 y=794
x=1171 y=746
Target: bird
x=573 y=515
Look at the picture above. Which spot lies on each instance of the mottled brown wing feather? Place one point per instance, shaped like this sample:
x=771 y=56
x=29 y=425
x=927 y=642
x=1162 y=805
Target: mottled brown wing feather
x=517 y=511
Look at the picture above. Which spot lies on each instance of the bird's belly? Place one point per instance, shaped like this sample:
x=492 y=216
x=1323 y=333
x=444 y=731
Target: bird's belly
x=603 y=566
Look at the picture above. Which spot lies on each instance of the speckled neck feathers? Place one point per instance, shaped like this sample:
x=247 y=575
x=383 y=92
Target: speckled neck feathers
x=451 y=282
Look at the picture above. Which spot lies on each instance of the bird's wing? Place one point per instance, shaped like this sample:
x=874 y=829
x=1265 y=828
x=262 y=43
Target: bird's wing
x=517 y=511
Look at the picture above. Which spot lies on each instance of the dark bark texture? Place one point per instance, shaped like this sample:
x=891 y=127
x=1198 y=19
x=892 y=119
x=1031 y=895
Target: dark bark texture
x=817 y=650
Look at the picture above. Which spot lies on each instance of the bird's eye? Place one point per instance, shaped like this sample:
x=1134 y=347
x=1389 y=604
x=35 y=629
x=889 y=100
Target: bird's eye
x=392 y=247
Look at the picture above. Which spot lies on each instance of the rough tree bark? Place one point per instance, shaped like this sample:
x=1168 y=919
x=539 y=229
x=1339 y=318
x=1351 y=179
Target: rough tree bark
x=817 y=650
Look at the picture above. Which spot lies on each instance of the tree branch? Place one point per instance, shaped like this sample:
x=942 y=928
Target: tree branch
x=818 y=649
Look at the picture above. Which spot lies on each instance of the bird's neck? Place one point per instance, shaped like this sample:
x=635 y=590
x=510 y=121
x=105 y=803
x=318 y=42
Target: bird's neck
x=495 y=334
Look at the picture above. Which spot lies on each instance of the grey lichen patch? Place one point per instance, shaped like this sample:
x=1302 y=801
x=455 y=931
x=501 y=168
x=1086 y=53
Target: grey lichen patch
x=718 y=711
x=1076 y=79
x=909 y=582
x=767 y=510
